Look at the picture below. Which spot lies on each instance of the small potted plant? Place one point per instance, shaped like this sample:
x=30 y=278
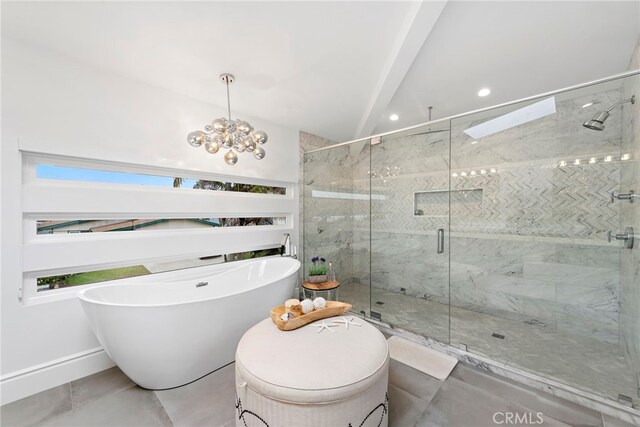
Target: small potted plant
x=318 y=270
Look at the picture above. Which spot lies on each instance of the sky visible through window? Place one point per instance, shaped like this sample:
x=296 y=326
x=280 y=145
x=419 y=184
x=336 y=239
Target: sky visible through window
x=92 y=175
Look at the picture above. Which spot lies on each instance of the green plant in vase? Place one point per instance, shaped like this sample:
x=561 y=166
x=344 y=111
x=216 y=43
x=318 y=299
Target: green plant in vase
x=317 y=270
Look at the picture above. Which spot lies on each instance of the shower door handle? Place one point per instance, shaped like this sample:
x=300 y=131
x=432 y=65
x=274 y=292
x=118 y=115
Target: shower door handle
x=440 y=240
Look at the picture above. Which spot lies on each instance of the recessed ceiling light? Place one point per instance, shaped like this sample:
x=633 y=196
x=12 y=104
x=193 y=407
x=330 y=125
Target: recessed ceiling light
x=474 y=142
x=393 y=117
x=484 y=91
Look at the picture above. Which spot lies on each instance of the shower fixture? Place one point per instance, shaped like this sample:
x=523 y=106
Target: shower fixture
x=628 y=237
x=630 y=196
x=429 y=131
x=597 y=122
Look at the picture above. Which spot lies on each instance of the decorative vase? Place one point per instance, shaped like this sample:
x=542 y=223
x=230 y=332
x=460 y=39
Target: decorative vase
x=317 y=279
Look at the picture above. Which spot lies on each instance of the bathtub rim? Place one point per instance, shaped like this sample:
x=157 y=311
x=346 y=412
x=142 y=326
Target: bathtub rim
x=80 y=294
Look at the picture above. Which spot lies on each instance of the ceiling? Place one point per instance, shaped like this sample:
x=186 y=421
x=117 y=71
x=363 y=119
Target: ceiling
x=517 y=49
x=339 y=69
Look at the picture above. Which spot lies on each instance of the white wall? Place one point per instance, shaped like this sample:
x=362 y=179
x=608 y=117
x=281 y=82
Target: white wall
x=55 y=105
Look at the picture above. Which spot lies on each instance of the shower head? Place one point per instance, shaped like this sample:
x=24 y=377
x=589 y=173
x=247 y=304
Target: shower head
x=597 y=122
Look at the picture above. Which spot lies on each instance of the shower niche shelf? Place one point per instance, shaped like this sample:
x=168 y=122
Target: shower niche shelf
x=437 y=203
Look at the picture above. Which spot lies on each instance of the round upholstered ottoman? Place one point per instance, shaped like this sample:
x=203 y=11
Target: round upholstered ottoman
x=313 y=376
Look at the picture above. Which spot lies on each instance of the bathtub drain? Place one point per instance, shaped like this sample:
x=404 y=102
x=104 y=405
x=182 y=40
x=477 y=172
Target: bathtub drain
x=201 y=284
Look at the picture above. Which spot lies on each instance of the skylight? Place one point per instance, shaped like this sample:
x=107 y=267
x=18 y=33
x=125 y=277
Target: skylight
x=515 y=118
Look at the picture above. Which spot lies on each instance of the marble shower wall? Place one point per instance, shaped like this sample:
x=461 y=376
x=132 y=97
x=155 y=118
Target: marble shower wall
x=527 y=241
x=527 y=238
x=630 y=217
x=308 y=142
x=334 y=208
x=540 y=252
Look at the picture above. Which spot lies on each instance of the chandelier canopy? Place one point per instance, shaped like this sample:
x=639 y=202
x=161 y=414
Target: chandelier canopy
x=237 y=136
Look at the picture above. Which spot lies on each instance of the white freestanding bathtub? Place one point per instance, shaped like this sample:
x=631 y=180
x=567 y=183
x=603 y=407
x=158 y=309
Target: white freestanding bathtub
x=167 y=334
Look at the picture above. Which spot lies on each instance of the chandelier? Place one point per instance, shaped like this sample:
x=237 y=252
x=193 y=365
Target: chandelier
x=236 y=136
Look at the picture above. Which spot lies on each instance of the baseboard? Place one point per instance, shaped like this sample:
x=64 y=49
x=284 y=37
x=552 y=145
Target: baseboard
x=26 y=382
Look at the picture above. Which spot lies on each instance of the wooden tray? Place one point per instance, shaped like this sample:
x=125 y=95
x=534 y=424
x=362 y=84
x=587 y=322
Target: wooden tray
x=333 y=308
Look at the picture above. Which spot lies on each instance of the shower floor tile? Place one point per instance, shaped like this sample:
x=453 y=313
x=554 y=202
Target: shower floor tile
x=574 y=360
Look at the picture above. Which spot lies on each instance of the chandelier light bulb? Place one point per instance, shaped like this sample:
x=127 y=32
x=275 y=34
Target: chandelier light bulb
x=233 y=135
x=196 y=138
x=249 y=144
x=212 y=147
x=219 y=125
x=231 y=158
x=260 y=137
x=259 y=153
x=239 y=147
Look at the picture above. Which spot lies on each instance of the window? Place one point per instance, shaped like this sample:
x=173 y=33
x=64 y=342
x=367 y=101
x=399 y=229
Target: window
x=66 y=173
x=88 y=277
x=90 y=222
x=63 y=226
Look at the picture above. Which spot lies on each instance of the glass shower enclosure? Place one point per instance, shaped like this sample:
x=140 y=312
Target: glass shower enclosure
x=506 y=232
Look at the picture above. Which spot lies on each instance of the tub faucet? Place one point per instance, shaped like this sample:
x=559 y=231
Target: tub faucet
x=287 y=248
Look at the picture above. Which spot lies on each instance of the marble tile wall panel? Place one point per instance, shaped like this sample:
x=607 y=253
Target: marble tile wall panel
x=407 y=263
x=307 y=142
x=329 y=229
x=630 y=216
x=524 y=278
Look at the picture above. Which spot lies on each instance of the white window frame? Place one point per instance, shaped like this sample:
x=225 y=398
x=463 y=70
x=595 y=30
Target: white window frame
x=48 y=255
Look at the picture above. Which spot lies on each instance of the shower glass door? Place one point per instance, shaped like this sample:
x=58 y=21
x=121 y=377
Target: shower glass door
x=410 y=197
x=534 y=280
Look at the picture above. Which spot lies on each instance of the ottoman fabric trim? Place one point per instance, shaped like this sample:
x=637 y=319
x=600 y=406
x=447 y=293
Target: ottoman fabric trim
x=242 y=412
x=385 y=410
x=384 y=405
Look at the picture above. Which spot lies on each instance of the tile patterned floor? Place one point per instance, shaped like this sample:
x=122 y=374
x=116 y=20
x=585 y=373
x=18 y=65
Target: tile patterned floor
x=578 y=361
x=469 y=397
